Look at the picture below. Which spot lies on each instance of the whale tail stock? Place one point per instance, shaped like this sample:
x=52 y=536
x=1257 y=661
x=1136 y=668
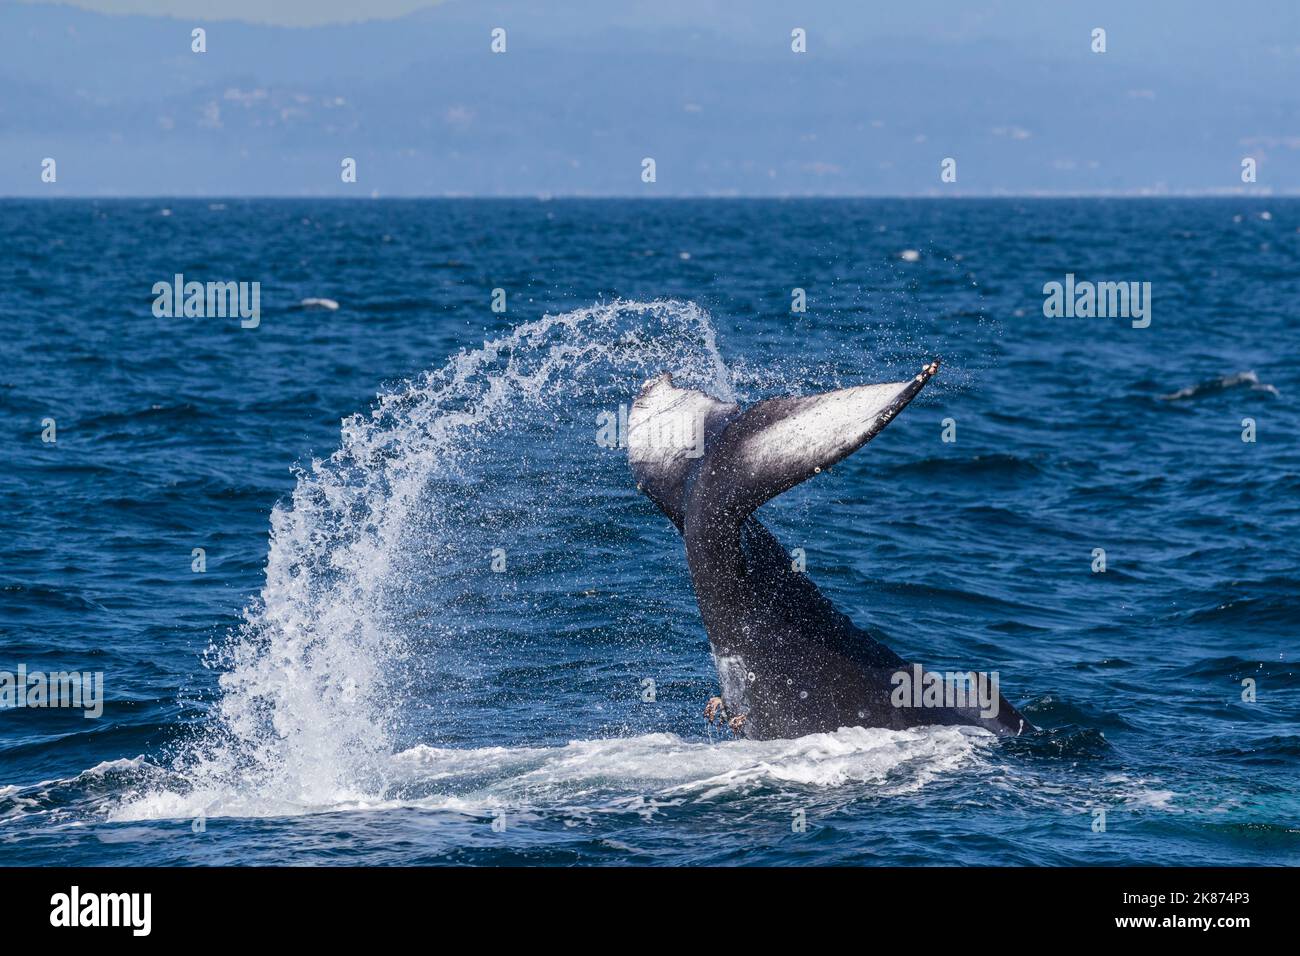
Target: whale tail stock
x=756 y=454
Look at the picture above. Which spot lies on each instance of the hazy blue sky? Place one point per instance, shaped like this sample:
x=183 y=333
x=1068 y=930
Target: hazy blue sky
x=283 y=12
x=711 y=90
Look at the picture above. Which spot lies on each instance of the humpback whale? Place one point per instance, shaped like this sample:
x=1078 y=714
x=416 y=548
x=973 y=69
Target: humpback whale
x=788 y=662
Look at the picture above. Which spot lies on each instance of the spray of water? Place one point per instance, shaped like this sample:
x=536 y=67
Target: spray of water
x=307 y=707
x=375 y=591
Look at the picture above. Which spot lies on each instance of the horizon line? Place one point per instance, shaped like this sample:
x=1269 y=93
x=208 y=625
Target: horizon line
x=563 y=197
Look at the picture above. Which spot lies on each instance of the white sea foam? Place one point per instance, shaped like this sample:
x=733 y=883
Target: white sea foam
x=611 y=774
x=641 y=775
x=1224 y=382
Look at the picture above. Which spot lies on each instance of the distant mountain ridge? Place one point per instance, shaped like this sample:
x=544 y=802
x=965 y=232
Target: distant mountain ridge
x=711 y=91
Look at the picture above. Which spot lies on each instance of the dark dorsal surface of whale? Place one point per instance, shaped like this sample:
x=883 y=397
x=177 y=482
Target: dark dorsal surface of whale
x=788 y=662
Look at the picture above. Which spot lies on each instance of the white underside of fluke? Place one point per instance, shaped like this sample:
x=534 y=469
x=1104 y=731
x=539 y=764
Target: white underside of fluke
x=666 y=424
x=820 y=428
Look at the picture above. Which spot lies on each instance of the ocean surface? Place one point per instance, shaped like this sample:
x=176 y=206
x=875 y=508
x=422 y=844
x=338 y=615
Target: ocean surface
x=432 y=620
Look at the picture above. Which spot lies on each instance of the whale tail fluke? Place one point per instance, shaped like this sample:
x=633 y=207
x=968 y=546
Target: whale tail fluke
x=782 y=442
x=757 y=454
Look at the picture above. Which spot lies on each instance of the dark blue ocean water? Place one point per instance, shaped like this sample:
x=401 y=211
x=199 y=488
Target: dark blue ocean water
x=349 y=681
